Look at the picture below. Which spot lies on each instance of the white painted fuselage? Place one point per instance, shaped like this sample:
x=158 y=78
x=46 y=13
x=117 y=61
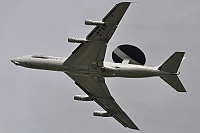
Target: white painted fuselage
x=109 y=69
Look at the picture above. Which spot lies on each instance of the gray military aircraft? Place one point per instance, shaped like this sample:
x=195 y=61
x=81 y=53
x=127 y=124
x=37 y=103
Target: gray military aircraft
x=86 y=65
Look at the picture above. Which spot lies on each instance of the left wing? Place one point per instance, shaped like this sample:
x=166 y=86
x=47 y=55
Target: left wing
x=96 y=89
x=93 y=51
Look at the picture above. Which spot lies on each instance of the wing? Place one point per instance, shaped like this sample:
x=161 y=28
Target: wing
x=96 y=88
x=93 y=51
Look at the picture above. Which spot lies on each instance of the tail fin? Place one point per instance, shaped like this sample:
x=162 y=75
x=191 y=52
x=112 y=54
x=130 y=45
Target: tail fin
x=172 y=65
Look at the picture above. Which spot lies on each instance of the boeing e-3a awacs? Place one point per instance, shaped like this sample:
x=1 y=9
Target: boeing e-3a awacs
x=86 y=65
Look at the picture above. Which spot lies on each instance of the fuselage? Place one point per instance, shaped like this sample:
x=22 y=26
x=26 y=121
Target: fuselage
x=109 y=69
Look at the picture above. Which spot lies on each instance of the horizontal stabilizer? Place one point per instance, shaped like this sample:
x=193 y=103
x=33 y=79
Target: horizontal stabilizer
x=174 y=82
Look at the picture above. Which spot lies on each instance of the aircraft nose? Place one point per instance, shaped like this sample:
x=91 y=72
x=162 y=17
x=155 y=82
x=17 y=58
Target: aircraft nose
x=16 y=61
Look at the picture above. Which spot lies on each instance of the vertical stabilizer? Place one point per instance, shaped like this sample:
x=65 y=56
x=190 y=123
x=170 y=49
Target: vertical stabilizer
x=172 y=63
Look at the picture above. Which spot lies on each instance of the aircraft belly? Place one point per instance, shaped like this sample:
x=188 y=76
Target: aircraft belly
x=130 y=73
x=86 y=65
x=55 y=65
x=89 y=70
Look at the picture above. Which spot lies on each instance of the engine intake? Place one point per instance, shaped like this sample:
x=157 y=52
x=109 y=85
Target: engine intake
x=92 y=22
x=77 y=40
x=102 y=114
x=83 y=98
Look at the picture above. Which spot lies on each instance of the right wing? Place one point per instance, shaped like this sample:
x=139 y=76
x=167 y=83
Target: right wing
x=96 y=88
x=93 y=51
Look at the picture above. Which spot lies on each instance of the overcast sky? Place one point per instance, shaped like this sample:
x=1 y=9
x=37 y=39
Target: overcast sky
x=35 y=101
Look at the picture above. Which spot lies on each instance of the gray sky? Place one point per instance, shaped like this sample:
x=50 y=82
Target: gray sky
x=33 y=101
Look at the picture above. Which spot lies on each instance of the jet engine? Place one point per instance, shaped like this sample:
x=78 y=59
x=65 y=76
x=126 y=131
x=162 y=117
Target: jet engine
x=92 y=22
x=83 y=98
x=77 y=40
x=102 y=114
x=128 y=54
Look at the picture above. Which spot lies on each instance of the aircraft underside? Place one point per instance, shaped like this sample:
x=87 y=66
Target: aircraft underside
x=86 y=65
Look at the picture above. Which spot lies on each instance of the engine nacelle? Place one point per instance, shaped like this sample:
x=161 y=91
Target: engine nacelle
x=102 y=114
x=77 y=40
x=92 y=22
x=83 y=98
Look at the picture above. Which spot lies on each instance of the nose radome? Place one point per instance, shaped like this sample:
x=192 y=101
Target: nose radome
x=16 y=61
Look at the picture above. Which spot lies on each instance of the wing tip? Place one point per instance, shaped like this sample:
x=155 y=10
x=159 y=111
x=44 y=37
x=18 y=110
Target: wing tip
x=135 y=128
x=128 y=2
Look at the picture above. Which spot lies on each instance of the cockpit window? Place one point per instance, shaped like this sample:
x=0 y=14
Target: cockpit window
x=40 y=57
